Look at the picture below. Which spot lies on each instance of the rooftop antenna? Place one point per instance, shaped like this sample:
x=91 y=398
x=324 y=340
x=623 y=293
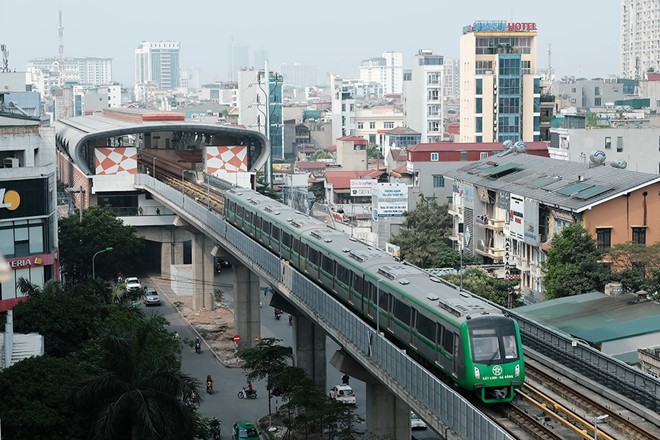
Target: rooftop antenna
x=550 y=62
x=61 y=57
x=5 y=58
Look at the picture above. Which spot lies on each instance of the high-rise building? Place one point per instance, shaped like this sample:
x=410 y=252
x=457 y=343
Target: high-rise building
x=300 y=75
x=189 y=79
x=260 y=58
x=423 y=99
x=343 y=107
x=87 y=70
x=500 y=93
x=640 y=27
x=157 y=63
x=238 y=58
x=386 y=70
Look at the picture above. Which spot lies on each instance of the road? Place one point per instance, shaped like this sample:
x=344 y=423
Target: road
x=224 y=403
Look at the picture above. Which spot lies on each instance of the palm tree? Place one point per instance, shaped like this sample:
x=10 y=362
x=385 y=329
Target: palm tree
x=28 y=288
x=138 y=393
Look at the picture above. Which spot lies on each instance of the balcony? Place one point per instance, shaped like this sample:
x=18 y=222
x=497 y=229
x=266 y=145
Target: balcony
x=497 y=254
x=454 y=209
x=495 y=224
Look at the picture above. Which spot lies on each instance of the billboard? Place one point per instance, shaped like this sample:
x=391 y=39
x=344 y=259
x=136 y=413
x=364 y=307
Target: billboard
x=531 y=222
x=24 y=198
x=392 y=209
x=362 y=187
x=115 y=160
x=516 y=216
x=391 y=191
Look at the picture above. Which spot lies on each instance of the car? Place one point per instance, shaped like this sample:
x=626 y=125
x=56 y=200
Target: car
x=343 y=394
x=416 y=422
x=243 y=429
x=132 y=283
x=151 y=297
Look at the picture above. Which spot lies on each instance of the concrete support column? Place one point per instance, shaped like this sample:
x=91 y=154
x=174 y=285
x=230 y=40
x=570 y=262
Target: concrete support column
x=247 y=317
x=309 y=349
x=202 y=261
x=165 y=260
x=387 y=415
x=177 y=253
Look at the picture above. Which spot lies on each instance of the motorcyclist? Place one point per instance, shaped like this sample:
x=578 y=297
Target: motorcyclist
x=249 y=389
x=209 y=383
x=198 y=345
x=290 y=319
x=278 y=313
x=214 y=426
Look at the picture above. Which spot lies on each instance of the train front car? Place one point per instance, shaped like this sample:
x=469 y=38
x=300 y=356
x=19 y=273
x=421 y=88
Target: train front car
x=494 y=357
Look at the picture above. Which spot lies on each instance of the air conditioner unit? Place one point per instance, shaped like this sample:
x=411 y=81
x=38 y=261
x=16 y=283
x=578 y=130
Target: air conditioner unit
x=10 y=162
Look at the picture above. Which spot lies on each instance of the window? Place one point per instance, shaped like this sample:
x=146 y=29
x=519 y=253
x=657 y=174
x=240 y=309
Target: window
x=433 y=78
x=597 y=102
x=597 y=91
x=604 y=238
x=464 y=156
x=608 y=143
x=619 y=144
x=328 y=265
x=433 y=110
x=313 y=257
x=372 y=125
x=360 y=125
x=434 y=126
x=479 y=105
x=639 y=235
x=402 y=312
x=433 y=95
x=438 y=181
x=480 y=87
x=448 y=341
x=435 y=157
x=343 y=275
x=426 y=327
x=483 y=155
x=388 y=124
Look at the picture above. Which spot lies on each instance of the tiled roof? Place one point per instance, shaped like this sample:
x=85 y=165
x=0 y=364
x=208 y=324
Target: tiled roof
x=398 y=154
x=342 y=179
x=572 y=186
x=310 y=165
x=355 y=139
x=471 y=146
x=402 y=130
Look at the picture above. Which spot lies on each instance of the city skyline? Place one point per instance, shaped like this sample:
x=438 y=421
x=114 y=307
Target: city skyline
x=335 y=41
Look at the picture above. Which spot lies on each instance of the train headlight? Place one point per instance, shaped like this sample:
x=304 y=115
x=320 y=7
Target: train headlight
x=517 y=370
x=477 y=374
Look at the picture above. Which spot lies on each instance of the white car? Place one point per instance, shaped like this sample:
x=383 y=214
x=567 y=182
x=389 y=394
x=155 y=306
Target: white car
x=343 y=394
x=416 y=422
x=132 y=283
x=151 y=297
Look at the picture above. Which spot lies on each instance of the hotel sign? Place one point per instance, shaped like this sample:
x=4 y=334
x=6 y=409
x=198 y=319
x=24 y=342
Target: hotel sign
x=499 y=26
x=31 y=261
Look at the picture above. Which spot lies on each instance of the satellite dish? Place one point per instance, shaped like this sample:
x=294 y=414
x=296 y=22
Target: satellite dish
x=508 y=144
x=597 y=157
x=520 y=147
x=619 y=163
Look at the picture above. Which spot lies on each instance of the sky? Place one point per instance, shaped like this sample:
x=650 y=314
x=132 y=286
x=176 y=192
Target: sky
x=334 y=36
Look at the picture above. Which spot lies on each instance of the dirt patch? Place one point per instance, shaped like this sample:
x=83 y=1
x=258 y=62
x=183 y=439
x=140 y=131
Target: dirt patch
x=216 y=327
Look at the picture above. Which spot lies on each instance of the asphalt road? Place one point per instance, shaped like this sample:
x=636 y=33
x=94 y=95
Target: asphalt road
x=224 y=403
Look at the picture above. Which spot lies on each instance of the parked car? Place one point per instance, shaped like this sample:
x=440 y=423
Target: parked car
x=343 y=394
x=243 y=429
x=151 y=297
x=132 y=283
x=416 y=422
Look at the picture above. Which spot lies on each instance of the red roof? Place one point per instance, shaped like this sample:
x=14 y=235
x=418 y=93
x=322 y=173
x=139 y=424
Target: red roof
x=399 y=154
x=471 y=146
x=355 y=139
x=342 y=179
x=454 y=128
x=331 y=148
x=310 y=165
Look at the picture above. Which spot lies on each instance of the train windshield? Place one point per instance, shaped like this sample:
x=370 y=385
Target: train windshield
x=493 y=342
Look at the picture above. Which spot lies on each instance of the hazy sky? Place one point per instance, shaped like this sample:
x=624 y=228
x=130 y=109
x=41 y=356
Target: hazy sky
x=334 y=36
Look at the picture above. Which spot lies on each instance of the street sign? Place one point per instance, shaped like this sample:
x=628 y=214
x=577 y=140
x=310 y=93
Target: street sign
x=237 y=338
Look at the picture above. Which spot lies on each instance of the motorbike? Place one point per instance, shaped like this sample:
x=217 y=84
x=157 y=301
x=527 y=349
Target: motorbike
x=198 y=347
x=290 y=320
x=209 y=387
x=214 y=429
x=278 y=314
x=247 y=394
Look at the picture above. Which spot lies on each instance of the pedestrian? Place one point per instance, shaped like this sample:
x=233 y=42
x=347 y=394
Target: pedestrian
x=120 y=278
x=344 y=379
x=176 y=335
x=157 y=211
x=140 y=211
x=265 y=291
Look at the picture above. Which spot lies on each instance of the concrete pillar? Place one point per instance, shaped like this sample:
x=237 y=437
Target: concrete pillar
x=387 y=415
x=309 y=349
x=178 y=253
x=165 y=260
x=247 y=316
x=202 y=261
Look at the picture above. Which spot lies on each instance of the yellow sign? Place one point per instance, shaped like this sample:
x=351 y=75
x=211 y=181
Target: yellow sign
x=10 y=199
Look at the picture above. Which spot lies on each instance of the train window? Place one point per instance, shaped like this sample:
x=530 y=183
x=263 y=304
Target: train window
x=358 y=285
x=248 y=216
x=231 y=206
x=426 y=327
x=239 y=211
x=313 y=256
x=328 y=265
x=266 y=227
x=257 y=222
x=275 y=233
x=402 y=311
x=286 y=239
x=510 y=347
x=382 y=300
x=485 y=345
x=296 y=246
x=343 y=275
x=448 y=341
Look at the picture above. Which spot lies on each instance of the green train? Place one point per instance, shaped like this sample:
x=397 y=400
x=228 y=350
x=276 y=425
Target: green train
x=471 y=342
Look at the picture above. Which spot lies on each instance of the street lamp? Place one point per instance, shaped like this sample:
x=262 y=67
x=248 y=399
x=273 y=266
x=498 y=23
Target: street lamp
x=108 y=249
x=153 y=165
x=596 y=420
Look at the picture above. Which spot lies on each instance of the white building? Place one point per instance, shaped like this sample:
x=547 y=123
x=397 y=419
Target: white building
x=640 y=26
x=300 y=75
x=386 y=70
x=158 y=63
x=423 y=99
x=45 y=73
x=372 y=123
x=343 y=108
x=189 y=79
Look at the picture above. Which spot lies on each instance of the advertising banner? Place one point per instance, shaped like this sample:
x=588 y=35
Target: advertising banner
x=531 y=222
x=23 y=198
x=384 y=191
x=516 y=216
x=468 y=195
x=232 y=159
x=392 y=209
x=115 y=160
x=362 y=187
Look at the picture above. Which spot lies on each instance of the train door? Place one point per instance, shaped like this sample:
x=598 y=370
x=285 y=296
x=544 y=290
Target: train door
x=358 y=292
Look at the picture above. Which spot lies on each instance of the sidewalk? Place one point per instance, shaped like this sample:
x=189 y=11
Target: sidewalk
x=214 y=327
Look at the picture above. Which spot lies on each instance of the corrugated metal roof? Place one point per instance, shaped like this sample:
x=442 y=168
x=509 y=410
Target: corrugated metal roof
x=606 y=181
x=596 y=317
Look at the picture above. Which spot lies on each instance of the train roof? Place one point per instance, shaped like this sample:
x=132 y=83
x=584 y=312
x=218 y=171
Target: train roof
x=429 y=291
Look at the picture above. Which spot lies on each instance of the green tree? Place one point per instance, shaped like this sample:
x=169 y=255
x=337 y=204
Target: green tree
x=423 y=239
x=264 y=361
x=99 y=229
x=480 y=283
x=572 y=266
x=373 y=152
x=34 y=403
x=138 y=391
x=636 y=265
x=320 y=154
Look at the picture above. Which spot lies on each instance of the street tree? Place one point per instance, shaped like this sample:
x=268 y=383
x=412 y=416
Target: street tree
x=98 y=230
x=264 y=361
x=480 y=283
x=636 y=265
x=320 y=154
x=573 y=264
x=373 y=152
